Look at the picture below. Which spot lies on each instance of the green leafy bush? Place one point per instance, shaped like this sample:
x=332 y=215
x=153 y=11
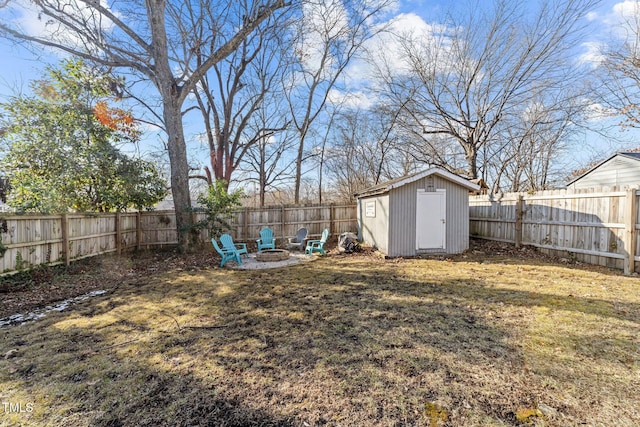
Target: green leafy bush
x=218 y=206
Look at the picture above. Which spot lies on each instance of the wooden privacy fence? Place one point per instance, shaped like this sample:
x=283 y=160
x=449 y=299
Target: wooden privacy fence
x=285 y=220
x=597 y=226
x=31 y=240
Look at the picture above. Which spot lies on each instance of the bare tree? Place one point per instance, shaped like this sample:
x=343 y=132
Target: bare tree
x=531 y=142
x=160 y=40
x=365 y=151
x=328 y=36
x=236 y=100
x=267 y=160
x=468 y=77
x=618 y=87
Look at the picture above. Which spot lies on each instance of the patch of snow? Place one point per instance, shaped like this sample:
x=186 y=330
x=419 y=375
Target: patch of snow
x=20 y=318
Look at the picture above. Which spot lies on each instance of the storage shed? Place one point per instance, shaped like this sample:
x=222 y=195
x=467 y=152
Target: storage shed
x=423 y=213
x=621 y=169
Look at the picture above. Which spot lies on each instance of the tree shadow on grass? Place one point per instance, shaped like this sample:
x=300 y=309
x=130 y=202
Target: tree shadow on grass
x=328 y=344
x=381 y=353
x=265 y=352
x=75 y=377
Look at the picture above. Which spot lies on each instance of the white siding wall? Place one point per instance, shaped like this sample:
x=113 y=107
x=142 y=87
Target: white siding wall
x=374 y=231
x=620 y=171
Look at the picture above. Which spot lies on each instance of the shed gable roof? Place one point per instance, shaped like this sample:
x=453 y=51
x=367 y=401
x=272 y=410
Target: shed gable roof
x=407 y=179
x=632 y=156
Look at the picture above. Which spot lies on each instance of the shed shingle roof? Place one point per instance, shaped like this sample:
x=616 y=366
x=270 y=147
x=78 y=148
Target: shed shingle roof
x=398 y=182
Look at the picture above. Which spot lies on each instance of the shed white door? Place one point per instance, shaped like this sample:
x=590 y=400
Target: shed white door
x=431 y=219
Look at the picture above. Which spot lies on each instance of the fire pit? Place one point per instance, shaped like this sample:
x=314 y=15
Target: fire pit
x=272 y=255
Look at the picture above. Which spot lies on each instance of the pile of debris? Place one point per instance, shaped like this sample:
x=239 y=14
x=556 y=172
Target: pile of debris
x=348 y=243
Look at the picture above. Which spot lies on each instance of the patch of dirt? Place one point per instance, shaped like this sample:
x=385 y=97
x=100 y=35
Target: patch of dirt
x=480 y=249
x=43 y=286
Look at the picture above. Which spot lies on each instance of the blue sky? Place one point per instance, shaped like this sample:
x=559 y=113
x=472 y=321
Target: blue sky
x=19 y=66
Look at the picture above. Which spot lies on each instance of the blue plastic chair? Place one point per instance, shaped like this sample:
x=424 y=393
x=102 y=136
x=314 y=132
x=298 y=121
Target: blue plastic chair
x=227 y=255
x=227 y=243
x=266 y=240
x=317 y=245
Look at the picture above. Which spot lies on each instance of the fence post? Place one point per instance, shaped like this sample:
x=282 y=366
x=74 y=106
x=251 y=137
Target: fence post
x=118 y=233
x=332 y=228
x=519 y=214
x=282 y=219
x=630 y=213
x=245 y=228
x=138 y=230
x=64 y=228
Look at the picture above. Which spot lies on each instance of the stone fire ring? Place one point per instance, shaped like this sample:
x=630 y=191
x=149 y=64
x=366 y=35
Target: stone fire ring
x=269 y=255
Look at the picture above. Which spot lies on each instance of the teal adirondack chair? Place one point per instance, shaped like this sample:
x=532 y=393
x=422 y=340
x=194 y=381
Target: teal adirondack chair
x=227 y=243
x=227 y=255
x=266 y=240
x=317 y=245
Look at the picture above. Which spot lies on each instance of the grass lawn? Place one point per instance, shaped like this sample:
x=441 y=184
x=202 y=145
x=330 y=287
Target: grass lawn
x=478 y=340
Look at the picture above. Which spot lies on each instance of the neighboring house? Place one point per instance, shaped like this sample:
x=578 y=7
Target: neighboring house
x=484 y=188
x=621 y=169
x=423 y=213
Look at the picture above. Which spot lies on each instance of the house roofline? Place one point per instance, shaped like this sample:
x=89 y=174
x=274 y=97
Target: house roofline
x=623 y=154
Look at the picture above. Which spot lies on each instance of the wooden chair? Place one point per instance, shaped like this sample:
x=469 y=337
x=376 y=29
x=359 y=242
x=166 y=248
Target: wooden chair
x=227 y=243
x=266 y=240
x=227 y=255
x=298 y=241
x=317 y=245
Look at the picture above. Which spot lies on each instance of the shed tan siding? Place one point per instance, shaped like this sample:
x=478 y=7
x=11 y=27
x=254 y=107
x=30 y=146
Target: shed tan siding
x=374 y=231
x=402 y=217
x=619 y=171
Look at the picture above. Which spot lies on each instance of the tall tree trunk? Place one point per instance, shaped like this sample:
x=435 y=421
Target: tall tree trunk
x=172 y=100
x=471 y=154
x=296 y=195
x=179 y=172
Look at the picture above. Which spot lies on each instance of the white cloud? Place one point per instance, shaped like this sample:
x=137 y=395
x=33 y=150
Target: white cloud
x=592 y=16
x=31 y=22
x=613 y=26
x=596 y=112
x=405 y=26
x=385 y=51
x=356 y=99
x=626 y=9
x=322 y=21
x=593 y=54
x=329 y=19
x=619 y=18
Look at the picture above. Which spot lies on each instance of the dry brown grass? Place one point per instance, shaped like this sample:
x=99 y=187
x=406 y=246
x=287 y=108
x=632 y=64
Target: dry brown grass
x=342 y=341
